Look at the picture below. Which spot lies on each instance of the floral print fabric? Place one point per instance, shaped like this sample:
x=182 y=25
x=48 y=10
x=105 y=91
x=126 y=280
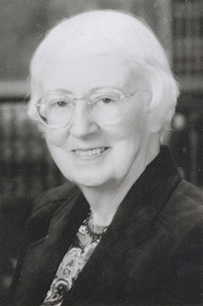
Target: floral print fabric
x=70 y=267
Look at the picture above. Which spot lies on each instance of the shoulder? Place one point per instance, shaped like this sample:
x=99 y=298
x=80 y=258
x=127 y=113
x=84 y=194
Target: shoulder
x=55 y=195
x=187 y=200
x=181 y=220
x=184 y=208
x=179 y=244
x=191 y=192
x=48 y=205
x=187 y=229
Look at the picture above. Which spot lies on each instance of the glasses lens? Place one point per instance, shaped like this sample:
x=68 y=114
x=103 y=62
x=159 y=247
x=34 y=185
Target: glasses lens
x=106 y=106
x=55 y=110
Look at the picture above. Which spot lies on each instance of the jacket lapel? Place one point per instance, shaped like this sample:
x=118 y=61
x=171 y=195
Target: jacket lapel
x=105 y=271
x=44 y=256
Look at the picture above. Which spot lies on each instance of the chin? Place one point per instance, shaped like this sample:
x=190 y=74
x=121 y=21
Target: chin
x=90 y=179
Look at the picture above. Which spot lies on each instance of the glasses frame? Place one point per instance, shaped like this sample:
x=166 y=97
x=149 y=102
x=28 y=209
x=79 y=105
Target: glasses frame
x=73 y=102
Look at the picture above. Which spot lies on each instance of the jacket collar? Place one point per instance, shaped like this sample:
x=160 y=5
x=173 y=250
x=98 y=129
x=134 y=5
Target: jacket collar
x=135 y=214
x=132 y=221
x=139 y=207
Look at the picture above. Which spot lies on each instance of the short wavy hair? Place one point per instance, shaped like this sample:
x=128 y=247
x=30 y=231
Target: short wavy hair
x=117 y=33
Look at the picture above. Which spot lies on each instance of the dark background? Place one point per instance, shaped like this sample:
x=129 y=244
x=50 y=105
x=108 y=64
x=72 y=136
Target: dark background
x=26 y=168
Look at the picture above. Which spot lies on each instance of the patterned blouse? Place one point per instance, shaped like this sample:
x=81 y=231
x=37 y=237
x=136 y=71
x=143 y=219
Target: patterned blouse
x=71 y=265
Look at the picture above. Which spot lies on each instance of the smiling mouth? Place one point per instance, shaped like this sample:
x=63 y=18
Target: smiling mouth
x=90 y=152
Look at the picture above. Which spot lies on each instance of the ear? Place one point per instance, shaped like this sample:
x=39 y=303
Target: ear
x=153 y=123
x=157 y=121
x=154 y=117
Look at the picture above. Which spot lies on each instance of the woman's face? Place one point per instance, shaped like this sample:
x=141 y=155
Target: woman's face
x=91 y=153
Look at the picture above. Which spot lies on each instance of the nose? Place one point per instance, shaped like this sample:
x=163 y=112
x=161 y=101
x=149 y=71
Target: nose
x=82 y=123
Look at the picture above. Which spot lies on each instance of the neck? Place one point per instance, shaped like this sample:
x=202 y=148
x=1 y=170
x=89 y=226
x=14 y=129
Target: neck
x=103 y=202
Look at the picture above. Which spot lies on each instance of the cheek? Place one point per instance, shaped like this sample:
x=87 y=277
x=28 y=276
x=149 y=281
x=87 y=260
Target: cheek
x=55 y=137
x=62 y=160
x=56 y=143
x=56 y=154
x=133 y=133
x=132 y=125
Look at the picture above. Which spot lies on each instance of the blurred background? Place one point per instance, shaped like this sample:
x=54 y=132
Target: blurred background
x=26 y=168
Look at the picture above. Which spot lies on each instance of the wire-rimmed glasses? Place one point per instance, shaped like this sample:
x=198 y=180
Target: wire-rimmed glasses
x=55 y=108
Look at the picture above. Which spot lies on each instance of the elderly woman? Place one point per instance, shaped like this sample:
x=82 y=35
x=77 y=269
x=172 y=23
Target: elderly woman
x=128 y=230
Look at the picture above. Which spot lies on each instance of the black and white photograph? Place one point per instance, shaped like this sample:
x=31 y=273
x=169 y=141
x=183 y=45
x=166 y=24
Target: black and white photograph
x=101 y=152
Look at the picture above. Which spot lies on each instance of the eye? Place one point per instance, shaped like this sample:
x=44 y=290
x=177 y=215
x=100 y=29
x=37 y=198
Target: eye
x=60 y=103
x=107 y=100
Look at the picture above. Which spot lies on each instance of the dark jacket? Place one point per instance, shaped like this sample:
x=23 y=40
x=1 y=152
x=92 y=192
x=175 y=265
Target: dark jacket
x=151 y=254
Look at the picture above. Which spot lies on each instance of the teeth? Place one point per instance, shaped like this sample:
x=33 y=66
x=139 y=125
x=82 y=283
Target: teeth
x=90 y=152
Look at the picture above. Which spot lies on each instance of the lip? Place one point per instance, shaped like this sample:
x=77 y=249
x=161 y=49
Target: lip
x=89 y=153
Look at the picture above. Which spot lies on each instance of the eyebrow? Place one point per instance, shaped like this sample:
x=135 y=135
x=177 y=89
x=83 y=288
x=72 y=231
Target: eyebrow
x=66 y=91
x=106 y=87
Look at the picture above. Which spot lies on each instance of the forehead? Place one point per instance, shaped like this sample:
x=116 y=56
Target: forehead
x=83 y=75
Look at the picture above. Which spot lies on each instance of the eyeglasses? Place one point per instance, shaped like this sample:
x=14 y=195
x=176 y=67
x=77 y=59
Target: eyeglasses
x=55 y=109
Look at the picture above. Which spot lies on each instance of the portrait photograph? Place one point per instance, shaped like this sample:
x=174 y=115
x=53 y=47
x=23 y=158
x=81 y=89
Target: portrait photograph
x=101 y=152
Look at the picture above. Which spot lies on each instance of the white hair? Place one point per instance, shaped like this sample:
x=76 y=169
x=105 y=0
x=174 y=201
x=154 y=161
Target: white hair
x=110 y=32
